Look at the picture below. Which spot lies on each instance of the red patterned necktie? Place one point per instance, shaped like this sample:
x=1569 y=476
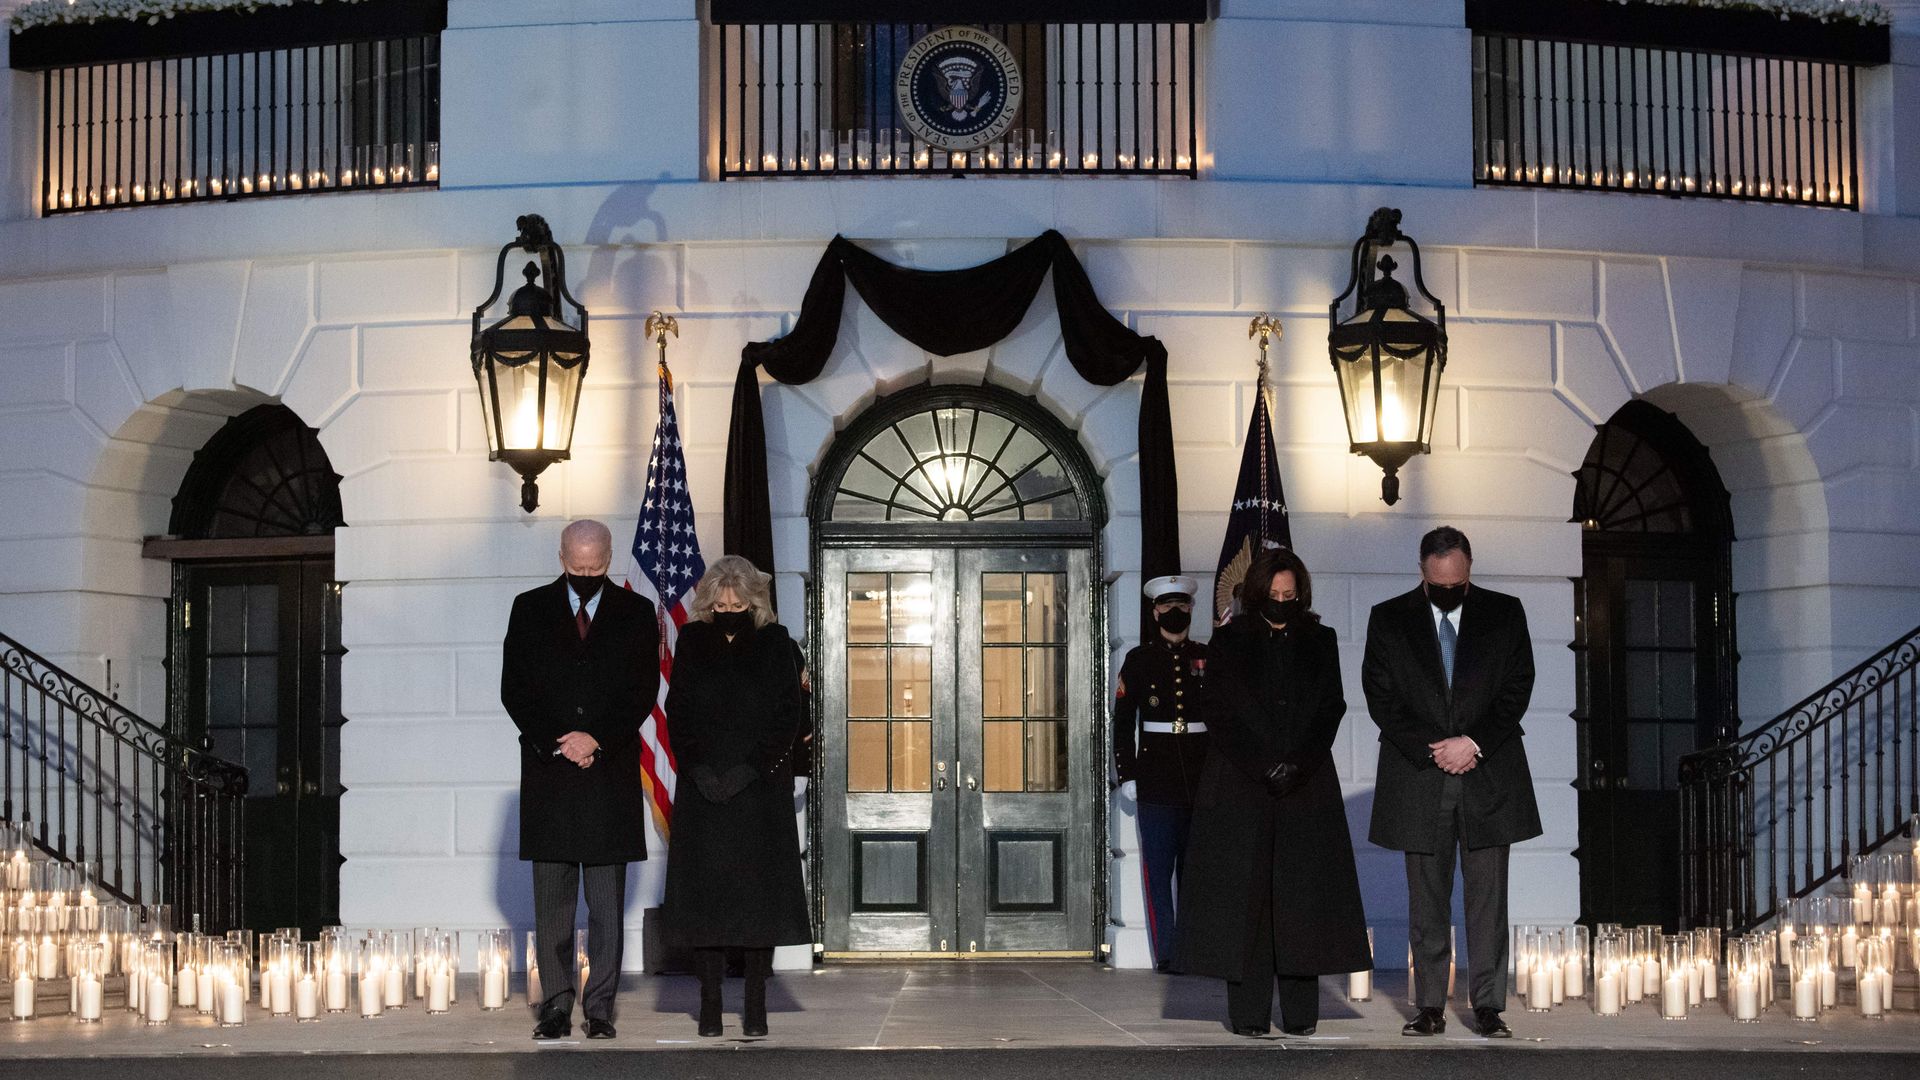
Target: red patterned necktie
x=581 y=621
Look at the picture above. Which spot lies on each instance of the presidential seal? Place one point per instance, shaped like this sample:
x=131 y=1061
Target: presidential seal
x=958 y=88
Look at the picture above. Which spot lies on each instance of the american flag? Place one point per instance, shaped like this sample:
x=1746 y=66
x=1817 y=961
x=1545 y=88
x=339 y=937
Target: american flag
x=1258 y=517
x=667 y=562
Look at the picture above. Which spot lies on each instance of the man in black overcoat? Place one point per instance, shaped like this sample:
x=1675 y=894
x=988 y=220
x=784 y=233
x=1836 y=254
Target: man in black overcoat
x=580 y=673
x=1448 y=674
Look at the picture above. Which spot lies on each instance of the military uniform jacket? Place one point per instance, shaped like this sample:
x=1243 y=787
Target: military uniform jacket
x=551 y=683
x=1161 y=682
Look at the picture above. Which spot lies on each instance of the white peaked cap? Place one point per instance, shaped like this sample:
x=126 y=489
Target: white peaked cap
x=1172 y=583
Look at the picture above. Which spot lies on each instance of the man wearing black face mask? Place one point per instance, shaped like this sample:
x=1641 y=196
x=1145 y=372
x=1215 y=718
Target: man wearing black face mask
x=1159 y=764
x=1448 y=675
x=580 y=671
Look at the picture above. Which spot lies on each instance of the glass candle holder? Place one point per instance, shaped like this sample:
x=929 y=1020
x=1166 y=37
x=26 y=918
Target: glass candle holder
x=1874 y=984
x=1360 y=983
x=534 y=997
x=21 y=965
x=1676 y=964
x=157 y=995
x=438 y=958
x=1806 y=976
x=231 y=964
x=494 y=956
x=1610 y=958
x=243 y=943
x=334 y=954
x=398 y=950
x=1747 y=958
x=371 y=981
x=308 y=973
x=1577 y=959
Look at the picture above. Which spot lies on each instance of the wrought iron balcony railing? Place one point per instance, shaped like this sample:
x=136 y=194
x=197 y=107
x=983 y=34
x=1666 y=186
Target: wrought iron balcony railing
x=296 y=119
x=827 y=98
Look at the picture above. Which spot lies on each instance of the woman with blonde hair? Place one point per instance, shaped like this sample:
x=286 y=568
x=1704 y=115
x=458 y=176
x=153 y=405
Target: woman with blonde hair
x=733 y=860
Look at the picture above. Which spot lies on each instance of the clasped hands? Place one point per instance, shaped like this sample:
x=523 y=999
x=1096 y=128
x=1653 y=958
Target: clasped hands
x=578 y=747
x=720 y=787
x=1457 y=755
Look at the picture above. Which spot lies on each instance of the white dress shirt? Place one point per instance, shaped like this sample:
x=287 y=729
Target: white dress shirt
x=593 y=605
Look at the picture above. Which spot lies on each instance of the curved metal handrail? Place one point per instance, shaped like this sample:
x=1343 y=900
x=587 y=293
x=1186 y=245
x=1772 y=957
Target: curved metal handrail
x=222 y=777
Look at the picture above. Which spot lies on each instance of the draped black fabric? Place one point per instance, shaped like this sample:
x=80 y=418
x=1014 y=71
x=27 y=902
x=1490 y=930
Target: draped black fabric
x=947 y=312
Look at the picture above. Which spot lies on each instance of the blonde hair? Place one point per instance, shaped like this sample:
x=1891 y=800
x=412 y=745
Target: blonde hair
x=747 y=582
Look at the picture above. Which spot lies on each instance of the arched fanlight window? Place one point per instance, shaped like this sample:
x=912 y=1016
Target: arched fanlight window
x=263 y=474
x=955 y=463
x=1644 y=473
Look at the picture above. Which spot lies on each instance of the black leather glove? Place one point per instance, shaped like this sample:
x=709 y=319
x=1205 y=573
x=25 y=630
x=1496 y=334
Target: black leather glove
x=735 y=780
x=1282 y=779
x=708 y=783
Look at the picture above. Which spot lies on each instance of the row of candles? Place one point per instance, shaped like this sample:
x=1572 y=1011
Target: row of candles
x=374 y=166
x=859 y=148
x=1649 y=181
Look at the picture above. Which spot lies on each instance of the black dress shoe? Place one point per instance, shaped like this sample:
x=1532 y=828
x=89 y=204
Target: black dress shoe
x=754 y=1028
x=1300 y=1032
x=599 y=1029
x=1490 y=1024
x=1428 y=1022
x=1251 y=1032
x=553 y=1025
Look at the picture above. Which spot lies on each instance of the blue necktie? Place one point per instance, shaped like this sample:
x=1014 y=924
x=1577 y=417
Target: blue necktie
x=1449 y=638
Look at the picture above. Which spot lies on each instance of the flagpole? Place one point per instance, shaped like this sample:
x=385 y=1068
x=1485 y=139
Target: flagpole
x=1265 y=327
x=660 y=324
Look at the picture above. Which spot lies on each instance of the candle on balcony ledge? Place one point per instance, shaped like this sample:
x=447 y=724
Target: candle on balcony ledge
x=1360 y=983
x=1089 y=161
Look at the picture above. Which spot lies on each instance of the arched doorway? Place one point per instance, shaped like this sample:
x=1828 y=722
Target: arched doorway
x=254 y=651
x=1654 y=651
x=957 y=629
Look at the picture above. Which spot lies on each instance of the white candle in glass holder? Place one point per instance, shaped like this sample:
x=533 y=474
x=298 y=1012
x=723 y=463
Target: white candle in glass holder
x=1696 y=983
x=1870 y=993
x=396 y=985
x=23 y=990
x=188 y=989
x=1673 y=996
x=87 y=997
x=203 y=988
x=1359 y=985
x=1746 y=998
x=1606 y=993
x=233 y=1003
x=159 y=1003
x=1806 y=997
x=1558 y=974
x=279 y=991
x=439 y=987
x=493 y=987
x=1709 y=980
x=1523 y=977
x=336 y=988
x=1635 y=981
x=1862 y=903
x=306 y=998
x=1829 y=986
x=1787 y=937
x=49 y=958
x=1540 y=989
x=373 y=992
x=1576 y=976
x=1849 y=947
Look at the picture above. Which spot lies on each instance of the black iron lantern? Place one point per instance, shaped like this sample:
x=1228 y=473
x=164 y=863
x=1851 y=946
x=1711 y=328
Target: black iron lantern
x=1388 y=357
x=530 y=364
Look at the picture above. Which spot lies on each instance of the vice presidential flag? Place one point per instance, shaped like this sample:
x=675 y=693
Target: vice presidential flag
x=1258 y=517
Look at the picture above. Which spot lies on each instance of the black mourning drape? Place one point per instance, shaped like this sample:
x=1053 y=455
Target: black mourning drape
x=947 y=312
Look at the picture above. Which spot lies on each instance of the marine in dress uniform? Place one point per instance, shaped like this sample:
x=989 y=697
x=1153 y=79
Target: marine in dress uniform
x=1160 y=746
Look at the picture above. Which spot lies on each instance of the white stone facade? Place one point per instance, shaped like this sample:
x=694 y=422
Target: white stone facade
x=1785 y=338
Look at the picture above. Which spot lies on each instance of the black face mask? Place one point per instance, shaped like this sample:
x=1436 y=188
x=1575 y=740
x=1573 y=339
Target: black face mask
x=586 y=586
x=1446 y=597
x=1282 y=612
x=733 y=623
x=1174 y=620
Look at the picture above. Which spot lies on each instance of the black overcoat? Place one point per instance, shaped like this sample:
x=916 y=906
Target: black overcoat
x=552 y=683
x=733 y=868
x=1408 y=698
x=1271 y=697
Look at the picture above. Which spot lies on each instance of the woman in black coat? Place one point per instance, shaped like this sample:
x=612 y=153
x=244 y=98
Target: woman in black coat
x=1270 y=887
x=733 y=860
